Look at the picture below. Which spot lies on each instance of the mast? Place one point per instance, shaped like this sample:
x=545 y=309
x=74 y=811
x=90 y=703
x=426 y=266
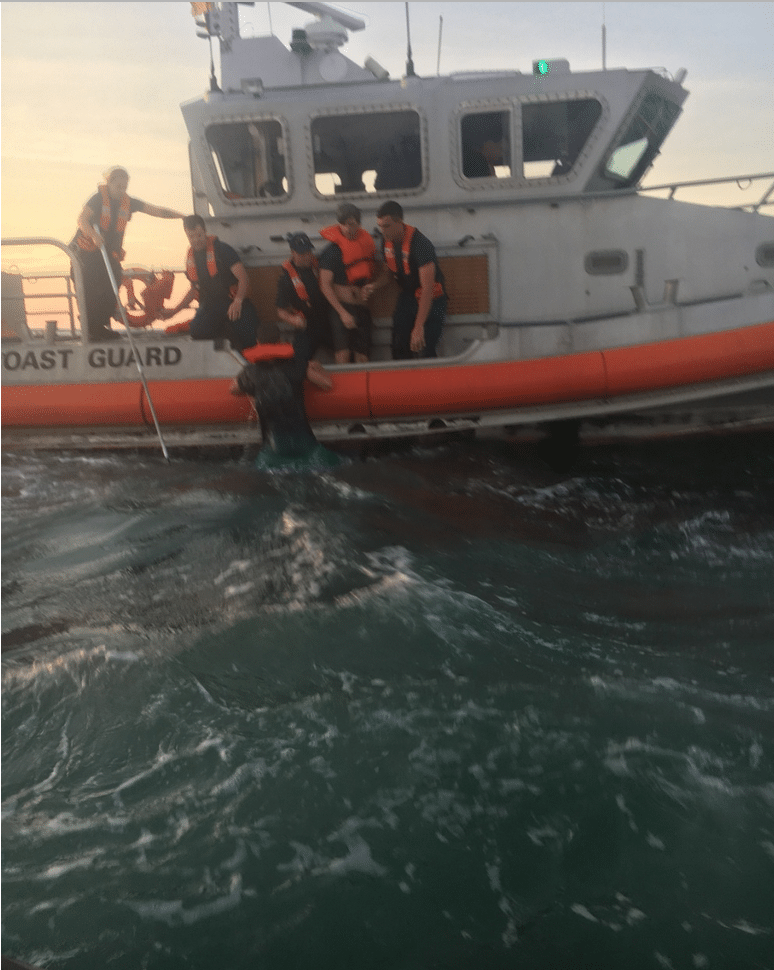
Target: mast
x=409 y=61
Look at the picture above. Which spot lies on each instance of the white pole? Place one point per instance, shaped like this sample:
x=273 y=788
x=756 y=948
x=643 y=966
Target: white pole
x=109 y=269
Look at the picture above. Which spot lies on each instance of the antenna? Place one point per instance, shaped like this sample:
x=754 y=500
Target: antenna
x=214 y=86
x=208 y=23
x=440 y=34
x=409 y=62
x=604 y=40
x=271 y=28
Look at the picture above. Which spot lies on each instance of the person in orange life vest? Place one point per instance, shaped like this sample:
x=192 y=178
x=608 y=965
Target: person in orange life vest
x=410 y=259
x=347 y=264
x=219 y=281
x=301 y=305
x=104 y=219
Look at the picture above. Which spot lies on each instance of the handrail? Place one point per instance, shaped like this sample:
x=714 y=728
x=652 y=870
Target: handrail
x=674 y=186
x=76 y=270
x=27 y=299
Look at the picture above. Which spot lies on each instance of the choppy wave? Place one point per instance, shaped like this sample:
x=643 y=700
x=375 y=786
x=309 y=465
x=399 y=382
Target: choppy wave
x=446 y=708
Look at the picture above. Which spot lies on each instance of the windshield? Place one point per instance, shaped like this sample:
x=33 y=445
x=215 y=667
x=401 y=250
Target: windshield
x=635 y=151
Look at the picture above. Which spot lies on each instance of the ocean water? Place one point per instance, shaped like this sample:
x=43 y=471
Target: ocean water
x=440 y=708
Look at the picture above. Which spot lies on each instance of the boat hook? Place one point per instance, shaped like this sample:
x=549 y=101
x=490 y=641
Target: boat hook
x=112 y=278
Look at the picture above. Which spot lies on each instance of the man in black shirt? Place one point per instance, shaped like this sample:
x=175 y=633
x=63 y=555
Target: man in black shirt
x=410 y=259
x=219 y=281
x=301 y=304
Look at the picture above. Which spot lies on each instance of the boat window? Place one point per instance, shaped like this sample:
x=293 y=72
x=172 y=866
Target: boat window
x=485 y=138
x=554 y=133
x=638 y=147
x=249 y=158
x=764 y=254
x=606 y=262
x=373 y=152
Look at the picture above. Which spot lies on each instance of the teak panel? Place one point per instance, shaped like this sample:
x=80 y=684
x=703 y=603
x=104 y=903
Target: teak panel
x=467 y=283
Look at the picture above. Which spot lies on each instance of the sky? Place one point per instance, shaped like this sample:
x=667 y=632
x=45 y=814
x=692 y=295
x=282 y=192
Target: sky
x=90 y=85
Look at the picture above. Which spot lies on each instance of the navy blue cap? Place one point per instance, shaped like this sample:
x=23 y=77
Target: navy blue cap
x=300 y=243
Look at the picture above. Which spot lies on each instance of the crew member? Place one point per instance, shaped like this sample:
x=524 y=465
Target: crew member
x=104 y=219
x=410 y=259
x=301 y=304
x=347 y=265
x=219 y=281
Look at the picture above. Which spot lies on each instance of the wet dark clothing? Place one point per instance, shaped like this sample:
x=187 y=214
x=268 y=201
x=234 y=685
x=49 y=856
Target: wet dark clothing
x=99 y=295
x=277 y=388
x=211 y=320
x=421 y=252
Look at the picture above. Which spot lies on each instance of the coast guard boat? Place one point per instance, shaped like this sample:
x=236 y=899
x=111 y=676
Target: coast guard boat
x=574 y=294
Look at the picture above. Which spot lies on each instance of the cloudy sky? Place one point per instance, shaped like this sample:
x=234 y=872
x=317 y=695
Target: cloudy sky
x=88 y=85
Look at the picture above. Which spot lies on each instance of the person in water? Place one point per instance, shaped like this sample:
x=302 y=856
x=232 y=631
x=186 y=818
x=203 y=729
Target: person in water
x=220 y=283
x=301 y=304
x=347 y=265
x=411 y=260
x=104 y=219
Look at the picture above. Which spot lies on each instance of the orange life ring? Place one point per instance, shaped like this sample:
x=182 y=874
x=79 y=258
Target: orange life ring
x=158 y=288
x=182 y=327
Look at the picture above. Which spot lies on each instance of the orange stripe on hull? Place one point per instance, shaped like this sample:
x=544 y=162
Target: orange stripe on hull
x=347 y=400
x=448 y=390
x=410 y=391
x=122 y=404
x=690 y=360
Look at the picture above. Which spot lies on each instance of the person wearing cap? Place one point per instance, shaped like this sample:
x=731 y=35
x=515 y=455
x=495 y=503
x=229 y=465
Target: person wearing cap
x=104 y=219
x=411 y=260
x=220 y=283
x=301 y=304
x=347 y=264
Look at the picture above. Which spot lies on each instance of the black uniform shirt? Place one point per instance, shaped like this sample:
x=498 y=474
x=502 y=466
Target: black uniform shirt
x=421 y=252
x=215 y=289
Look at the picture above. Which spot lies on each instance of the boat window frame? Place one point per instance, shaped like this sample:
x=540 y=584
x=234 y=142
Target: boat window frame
x=517 y=179
x=245 y=118
x=364 y=110
x=652 y=150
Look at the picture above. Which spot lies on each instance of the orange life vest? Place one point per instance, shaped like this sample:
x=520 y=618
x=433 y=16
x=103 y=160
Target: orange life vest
x=122 y=217
x=212 y=267
x=295 y=278
x=190 y=263
x=359 y=254
x=261 y=352
x=405 y=249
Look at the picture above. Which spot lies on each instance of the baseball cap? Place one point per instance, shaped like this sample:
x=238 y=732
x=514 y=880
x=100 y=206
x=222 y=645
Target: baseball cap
x=300 y=243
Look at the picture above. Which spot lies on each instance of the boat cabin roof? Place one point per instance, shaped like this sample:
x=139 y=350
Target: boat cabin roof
x=295 y=127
